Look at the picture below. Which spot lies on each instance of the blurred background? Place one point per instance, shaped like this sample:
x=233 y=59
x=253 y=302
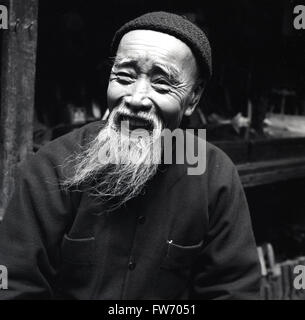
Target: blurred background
x=54 y=74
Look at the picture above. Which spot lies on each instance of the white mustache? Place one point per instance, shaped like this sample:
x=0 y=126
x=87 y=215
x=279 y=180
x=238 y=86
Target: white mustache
x=152 y=119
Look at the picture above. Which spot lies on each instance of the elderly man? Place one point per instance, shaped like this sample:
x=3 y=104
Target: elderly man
x=82 y=226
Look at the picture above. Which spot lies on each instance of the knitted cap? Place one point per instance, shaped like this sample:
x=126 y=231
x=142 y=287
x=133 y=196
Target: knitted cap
x=176 y=26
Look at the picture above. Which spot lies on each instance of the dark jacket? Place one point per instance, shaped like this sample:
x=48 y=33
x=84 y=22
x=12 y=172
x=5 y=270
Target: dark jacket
x=186 y=237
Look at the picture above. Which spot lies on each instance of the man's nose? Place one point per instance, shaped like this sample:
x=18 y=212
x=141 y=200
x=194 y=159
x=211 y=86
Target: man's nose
x=138 y=99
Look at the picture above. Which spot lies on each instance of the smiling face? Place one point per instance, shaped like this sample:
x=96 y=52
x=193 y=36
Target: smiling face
x=153 y=83
x=154 y=75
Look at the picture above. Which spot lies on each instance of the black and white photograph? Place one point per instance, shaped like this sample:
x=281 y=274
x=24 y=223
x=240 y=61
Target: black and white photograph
x=152 y=150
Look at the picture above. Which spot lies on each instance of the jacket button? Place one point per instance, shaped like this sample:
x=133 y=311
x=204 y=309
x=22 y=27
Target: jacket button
x=131 y=265
x=141 y=219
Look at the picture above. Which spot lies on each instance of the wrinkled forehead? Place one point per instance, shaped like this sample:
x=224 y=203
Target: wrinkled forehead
x=155 y=48
x=148 y=64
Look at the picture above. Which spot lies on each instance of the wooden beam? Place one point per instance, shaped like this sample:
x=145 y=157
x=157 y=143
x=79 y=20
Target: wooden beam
x=17 y=91
x=272 y=171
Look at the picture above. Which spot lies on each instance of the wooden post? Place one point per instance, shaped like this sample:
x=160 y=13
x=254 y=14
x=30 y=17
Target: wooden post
x=17 y=91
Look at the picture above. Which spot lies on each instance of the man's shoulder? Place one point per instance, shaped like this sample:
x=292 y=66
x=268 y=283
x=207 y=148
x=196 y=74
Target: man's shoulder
x=72 y=141
x=80 y=136
x=214 y=155
x=57 y=151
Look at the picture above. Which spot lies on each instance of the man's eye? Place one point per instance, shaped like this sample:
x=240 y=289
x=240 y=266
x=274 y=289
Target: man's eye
x=124 y=78
x=162 y=86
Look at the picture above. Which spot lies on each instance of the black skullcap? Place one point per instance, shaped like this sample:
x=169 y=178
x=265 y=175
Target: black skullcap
x=177 y=26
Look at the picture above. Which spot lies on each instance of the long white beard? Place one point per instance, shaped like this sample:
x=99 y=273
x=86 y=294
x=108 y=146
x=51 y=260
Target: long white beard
x=115 y=166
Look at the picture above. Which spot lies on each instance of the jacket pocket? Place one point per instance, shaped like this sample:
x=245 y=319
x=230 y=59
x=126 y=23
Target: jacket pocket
x=78 y=251
x=76 y=276
x=179 y=256
x=173 y=278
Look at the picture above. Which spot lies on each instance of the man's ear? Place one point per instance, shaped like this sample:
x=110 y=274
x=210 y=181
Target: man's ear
x=195 y=98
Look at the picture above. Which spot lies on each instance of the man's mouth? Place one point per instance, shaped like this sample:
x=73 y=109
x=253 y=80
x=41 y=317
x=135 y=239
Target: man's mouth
x=136 y=122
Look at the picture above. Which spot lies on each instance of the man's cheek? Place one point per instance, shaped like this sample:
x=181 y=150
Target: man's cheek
x=171 y=117
x=114 y=94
